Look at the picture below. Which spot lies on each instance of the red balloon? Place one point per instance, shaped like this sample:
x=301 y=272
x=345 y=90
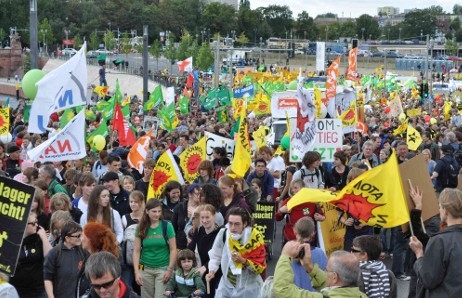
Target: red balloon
x=427 y=118
x=386 y=124
x=387 y=110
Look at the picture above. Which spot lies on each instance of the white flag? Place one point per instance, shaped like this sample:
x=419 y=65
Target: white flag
x=170 y=97
x=68 y=144
x=62 y=88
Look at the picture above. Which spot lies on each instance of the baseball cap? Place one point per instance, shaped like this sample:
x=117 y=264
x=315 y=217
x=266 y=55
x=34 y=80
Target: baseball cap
x=192 y=187
x=109 y=176
x=13 y=148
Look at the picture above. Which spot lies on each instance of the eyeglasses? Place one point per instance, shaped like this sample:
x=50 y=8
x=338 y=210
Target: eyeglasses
x=33 y=223
x=354 y=250
x=74 y=236
x=104 y=285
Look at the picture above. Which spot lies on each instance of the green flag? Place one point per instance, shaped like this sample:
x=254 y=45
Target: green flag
x=184 y=105
x=101 y=130
x=27 y=112
x=66 y=117
x=155 y=99
x=223 y=97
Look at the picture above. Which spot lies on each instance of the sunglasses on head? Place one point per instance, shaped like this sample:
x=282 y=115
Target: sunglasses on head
x=104 y=285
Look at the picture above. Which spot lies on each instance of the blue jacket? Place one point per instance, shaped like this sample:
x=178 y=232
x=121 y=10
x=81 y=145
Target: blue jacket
x=267 y=183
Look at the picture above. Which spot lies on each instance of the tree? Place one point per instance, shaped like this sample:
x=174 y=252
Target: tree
x=451 y=47
x=94 y=41
x=170 y=51
x=304 y=26
x=156 y=51
x=279 y=18
x=242 y=39
x=109 y=40
x=221 y=18
x=78 y=41
x=417 y=21
x=457 y=9
x=370 y=25
x=204 y=59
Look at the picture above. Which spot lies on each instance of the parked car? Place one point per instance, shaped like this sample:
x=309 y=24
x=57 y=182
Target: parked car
x=69 y=52
x=299 y=52
x=104 y=52
x=377 y=54
x=393 y=54
x=92 y=54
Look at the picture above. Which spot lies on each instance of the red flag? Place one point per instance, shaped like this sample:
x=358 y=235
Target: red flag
x=189 y=80
x=185 y=65
x=351 y=72
x=331 y=82
x=119 y=123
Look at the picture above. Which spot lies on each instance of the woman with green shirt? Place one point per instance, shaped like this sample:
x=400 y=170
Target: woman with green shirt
x=154 y=254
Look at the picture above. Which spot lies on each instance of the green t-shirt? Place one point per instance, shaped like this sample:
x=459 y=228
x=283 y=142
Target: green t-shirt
x=155 y=252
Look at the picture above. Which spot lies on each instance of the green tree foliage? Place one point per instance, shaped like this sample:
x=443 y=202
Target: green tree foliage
x=370 y=25
x=156 y=51
x=279 y=18
x=221 y=18
x=451 y=47
x=242 y=39
x=94 y=41
x=204 y=59
x=304 y=26
x=419 y=19
x=457 y=9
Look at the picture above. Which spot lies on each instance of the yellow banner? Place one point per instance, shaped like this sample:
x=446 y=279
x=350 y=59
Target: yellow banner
x=165 y=170
x=191 y=158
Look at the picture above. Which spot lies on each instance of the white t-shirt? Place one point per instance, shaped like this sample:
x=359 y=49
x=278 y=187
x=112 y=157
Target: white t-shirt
x=276 y=164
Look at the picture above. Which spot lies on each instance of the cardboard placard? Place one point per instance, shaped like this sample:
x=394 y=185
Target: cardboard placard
x=416 y=170
x=15 y=202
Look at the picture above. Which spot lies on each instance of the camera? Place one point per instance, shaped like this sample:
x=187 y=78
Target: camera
x=301 y=253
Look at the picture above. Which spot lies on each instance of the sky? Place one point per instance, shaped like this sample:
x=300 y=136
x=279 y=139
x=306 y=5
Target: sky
x=351 y=8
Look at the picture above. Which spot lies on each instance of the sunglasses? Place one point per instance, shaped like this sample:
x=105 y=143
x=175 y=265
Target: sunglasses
x=33 y=223
x=353 y=250
x=74 y=236
x=104 y=285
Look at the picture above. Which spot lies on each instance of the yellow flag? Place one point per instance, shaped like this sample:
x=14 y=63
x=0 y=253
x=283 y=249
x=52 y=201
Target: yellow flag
x=447 y=110
x=287 y=133
x=413 y=138
x=4 y=121
x=349 y=117
x=263 y=106
x=318 y=102
x=242 y=158
x=259 y=136
x=370 y=198
x=401 y=128
x=191 y=158
x=166 y=169
x=414 y=112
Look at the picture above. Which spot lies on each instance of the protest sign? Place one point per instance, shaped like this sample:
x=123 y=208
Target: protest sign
x=214 y=140
x=244 y=92
x=415 y=170
x=330 y=231
x=329 y=138
x=264 y=219
x=15 y=202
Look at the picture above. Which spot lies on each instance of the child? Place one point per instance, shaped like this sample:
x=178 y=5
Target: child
x=186 y=280
x=256 y=184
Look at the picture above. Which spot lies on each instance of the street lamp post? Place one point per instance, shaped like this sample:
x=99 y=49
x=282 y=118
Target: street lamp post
x=388 y=35
x=362 y=31
x=261 y=44
x=67 y=32
x=327 y=30
x=400 y=34
x=421 y=35
x=33 y=34
x=255 y=36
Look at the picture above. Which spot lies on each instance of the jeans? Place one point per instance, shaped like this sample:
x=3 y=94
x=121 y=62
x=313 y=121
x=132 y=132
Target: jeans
x=153 y=287
x=399 y=251
x=387 y=244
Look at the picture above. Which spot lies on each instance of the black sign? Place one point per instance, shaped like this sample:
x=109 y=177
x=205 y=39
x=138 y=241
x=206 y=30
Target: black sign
x=15 y=202
x=264 y=219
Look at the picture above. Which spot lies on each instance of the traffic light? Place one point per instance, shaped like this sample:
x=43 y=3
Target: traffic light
x=425 y=88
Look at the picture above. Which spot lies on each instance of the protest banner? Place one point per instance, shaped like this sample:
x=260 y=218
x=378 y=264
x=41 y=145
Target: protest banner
x=329 y=138
x=282 y=102
x=214 y=140
x=151 y=122
x=330 y=231
x=15 y=202
x=244 y=92
x=264 y=219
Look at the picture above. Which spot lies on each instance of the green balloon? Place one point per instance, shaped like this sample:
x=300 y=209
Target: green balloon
x=29 y=80
x=285 y=142
x=292 y=85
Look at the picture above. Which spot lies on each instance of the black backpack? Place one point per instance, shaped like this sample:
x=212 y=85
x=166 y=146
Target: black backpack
x=458 y=155
x=451 y=174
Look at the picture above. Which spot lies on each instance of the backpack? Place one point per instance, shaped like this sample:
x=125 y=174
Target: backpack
x=128 y=244
x=451 y=174
x=458 y=155
x=304 y=174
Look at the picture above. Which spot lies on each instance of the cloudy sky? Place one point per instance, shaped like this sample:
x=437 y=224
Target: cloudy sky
x=353 y=8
